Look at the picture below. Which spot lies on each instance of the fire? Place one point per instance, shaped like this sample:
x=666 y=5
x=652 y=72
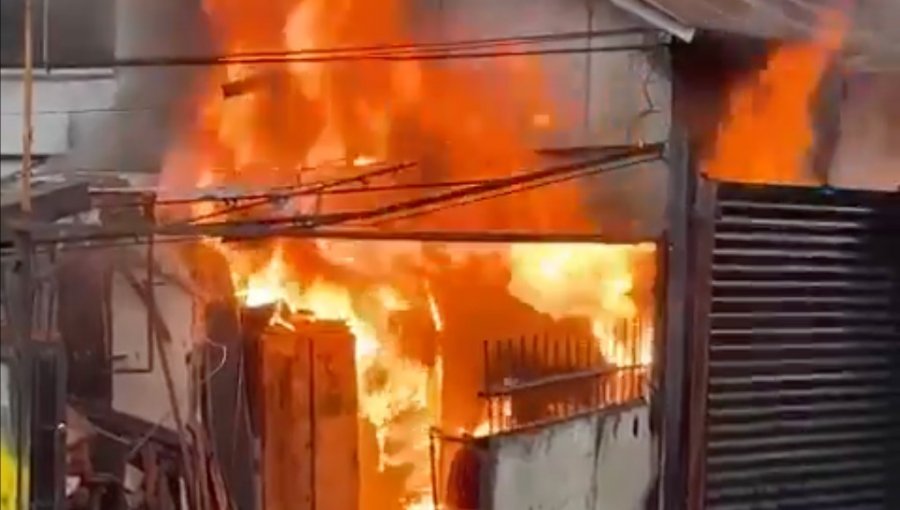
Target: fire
x=288 y=121
x=364 y=161
x=435 y=312
x=594 y=281
x=768 y=134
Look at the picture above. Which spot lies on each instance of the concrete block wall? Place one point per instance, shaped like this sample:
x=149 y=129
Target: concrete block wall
x=602 y=461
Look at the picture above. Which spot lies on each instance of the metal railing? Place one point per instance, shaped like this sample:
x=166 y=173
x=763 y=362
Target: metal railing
x=530 y=381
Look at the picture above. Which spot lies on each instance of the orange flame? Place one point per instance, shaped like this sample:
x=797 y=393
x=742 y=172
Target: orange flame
x=308 y=117
x=768 y=134
x=594 y=281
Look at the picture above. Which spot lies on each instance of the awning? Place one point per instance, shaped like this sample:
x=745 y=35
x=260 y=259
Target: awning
x=873 y=40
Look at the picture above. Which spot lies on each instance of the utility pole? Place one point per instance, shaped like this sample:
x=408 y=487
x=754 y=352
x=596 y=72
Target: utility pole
x=27 y=88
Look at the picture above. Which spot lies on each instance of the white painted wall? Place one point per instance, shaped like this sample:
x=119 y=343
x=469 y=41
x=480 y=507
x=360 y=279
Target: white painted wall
x=598 y=462
x=144 y=395
x=65 y=103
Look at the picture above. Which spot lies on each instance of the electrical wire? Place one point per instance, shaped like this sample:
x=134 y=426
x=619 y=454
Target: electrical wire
x=486 y=188
x=148 y=435
x=402 y=51
x=558 y=180
x=373 y=57
x=278 y=195
x=311 y=189
x=493 y=188
x=479 y=43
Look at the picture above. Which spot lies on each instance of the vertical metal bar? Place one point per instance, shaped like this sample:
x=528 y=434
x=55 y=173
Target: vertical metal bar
x=151 y=287
x=487 y=385
x=45 y=34
x=636 y=359
x=432 y=459
x=311 y=354
x=674 y=272
x=27 y=105
x=588 y=70
x=149 y=210
x=701 y=291
x=26 y=288
x=509 y=365
x=173 y=402
x=525 y=362
x=559 y=391
x=569 y=399
x=513 y=354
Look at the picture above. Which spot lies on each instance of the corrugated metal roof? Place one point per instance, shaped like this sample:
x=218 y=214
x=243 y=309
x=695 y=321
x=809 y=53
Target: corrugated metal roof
x=874 y=38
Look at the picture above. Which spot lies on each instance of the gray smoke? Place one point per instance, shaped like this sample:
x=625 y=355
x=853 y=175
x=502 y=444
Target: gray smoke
x=151 y=102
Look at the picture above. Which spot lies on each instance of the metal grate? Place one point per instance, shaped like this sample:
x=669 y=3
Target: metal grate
x=797 y=336
x=537 y=380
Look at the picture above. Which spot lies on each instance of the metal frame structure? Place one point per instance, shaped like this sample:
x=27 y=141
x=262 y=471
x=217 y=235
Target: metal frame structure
x=564 y=377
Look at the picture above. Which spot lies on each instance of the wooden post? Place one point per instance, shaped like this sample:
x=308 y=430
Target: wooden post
x=27 y=86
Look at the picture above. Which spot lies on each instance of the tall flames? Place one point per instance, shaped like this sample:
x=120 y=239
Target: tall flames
x=417 y=312
x=768 y=134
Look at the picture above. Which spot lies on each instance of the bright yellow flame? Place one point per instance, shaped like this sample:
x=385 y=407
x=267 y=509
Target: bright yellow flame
x=578 y=280
x=364 y=161
x=401 y=405
x=435 y=313
x=542 y=120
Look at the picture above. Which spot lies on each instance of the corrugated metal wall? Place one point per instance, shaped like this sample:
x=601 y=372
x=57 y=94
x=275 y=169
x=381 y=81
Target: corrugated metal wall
x=796 y=349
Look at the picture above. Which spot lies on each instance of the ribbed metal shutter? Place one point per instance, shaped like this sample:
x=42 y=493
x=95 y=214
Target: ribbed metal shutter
x=797 y=338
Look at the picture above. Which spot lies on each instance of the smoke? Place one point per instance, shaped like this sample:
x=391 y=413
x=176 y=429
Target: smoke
x=151 y=103
x=868 y=153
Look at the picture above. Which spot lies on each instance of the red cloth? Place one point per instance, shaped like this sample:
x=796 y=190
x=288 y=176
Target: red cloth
x=464 y=480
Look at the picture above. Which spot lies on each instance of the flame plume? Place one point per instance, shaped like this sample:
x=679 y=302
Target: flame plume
x=414 y=311
x=768 y=134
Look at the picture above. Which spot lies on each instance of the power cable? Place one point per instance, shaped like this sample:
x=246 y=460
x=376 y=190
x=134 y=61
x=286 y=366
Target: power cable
x=295 y=225
x=481 y=43
x=310 y=189
x=565 y=178
x=371 y=57
x=381 y=51
x=278 y=195
x=487 y=187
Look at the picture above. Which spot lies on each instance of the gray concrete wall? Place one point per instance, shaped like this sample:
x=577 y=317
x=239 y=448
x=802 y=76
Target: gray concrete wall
x=598 y=462
x=64 y=102
x=868 y=151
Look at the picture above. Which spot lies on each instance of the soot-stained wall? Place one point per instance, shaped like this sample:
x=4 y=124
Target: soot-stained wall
x=602 y=461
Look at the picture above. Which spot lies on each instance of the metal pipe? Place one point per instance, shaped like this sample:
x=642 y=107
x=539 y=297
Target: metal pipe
x=432 y=458
x=28 y=103
x=45 y=35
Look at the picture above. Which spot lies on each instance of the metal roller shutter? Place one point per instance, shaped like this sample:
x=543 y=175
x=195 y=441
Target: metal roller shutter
x=796 y=349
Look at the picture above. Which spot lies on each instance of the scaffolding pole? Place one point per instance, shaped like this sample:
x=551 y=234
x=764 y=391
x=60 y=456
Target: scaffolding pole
x=27 y=92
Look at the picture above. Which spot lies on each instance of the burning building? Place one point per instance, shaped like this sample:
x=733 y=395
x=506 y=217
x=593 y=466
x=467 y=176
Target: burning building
x=372 y=252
